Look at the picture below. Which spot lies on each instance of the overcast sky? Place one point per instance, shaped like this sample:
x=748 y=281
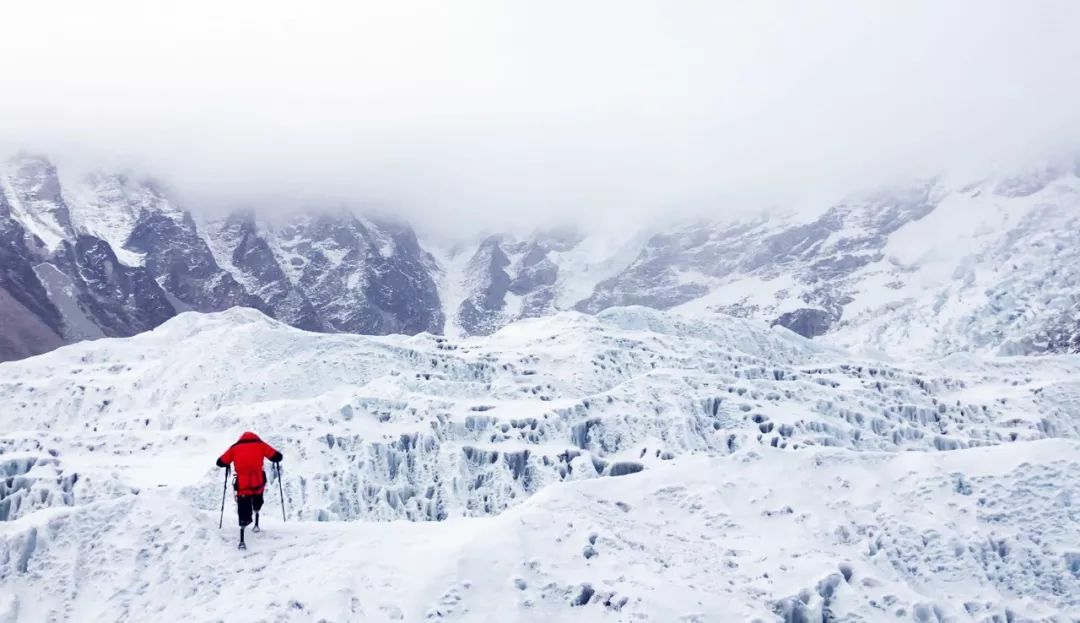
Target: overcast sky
x=491 y=112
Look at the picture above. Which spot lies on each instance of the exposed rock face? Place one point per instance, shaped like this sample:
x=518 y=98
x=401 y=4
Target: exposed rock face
x=111 y=256
x=122 y=300
x=360 y=277
x=35 y=198
x=73 y=284
x=807 y=322
x=534 y=283
x=181 y=262
x=509 y=279
x=24 y=334
x=31 y=323
x=663 y=275
x=481 y=313
x=239 y=244
x=988 y=266
x=400 y=287
x=818 y=256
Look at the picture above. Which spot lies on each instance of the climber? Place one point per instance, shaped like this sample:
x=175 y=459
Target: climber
x=249 y=480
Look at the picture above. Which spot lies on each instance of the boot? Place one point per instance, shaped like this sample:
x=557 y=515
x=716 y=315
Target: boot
x=256 y=528
x=242 y=544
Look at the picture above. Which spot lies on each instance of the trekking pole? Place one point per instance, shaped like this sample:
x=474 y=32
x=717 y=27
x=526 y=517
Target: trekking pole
x=281 y=491
x=224 y=488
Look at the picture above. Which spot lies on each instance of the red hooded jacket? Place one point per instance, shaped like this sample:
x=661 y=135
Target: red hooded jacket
x=247 y=456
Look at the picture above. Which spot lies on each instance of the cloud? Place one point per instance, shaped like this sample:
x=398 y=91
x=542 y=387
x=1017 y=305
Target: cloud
x=485 y=114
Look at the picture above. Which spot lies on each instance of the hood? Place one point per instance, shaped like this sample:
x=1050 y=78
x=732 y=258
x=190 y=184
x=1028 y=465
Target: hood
x=249 y=436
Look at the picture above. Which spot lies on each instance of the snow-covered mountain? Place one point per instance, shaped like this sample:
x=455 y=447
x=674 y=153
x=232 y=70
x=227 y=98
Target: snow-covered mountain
x=629 y=465
x=332 y=271
x=107 y=255
x=933 y=267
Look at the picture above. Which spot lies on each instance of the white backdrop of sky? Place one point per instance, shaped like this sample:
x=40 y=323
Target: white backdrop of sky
x=491 y=113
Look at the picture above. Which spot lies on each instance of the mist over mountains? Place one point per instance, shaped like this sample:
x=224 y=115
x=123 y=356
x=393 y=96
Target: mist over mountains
x=933 y=266
x=619 y=310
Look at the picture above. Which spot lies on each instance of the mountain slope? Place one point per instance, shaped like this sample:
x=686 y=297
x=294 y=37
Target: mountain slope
x=238 y=246
x=32 y=323
x=929 y=268
x=114 y=256
x=361 y=276
x=912 y=269
x=984 y=272
x=24 y=333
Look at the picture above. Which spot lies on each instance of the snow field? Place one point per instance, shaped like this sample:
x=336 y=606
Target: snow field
x=636 y=465
x=823 y=534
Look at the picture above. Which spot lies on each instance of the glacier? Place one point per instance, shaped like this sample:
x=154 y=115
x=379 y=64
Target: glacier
x=634 y=464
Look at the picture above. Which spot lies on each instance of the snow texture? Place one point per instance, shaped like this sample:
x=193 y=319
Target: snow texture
x=632 y=465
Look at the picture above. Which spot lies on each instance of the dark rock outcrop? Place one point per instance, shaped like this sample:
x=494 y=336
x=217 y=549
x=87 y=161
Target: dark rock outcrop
x=807 y=322
x=31 y=324
x=512 y=279
x=181 y=262
x=121 y=300
x=257 y=268
x=361 y=276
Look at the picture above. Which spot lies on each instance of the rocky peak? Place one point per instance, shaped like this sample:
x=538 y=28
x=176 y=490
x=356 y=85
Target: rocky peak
x=509 y=279
x=812 y=259
x=180 y=260
x=242 y=249
x=482 y=312
x=113 y=254
x=360 y=276
x=120 y=300
x=35 y=199
x=24 y=303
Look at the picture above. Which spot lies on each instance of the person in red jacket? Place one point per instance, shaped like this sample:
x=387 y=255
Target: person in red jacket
x=249 y=479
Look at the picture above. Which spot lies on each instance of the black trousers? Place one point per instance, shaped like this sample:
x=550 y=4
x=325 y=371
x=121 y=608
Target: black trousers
x=246 y=504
